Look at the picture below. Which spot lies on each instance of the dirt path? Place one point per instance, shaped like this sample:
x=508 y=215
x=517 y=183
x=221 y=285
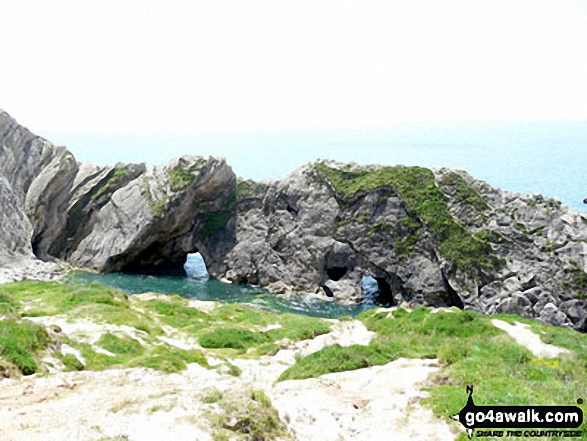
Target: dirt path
x=525 y=337
x=377 y=403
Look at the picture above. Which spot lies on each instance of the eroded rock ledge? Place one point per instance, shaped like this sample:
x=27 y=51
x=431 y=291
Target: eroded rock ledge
x=431 y=237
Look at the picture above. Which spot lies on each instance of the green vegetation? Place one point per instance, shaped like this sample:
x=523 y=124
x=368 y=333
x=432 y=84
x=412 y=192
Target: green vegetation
x=19 y=343
x=408 y=232
x=551 y=245
x=109 y=182
x=334 y=358
x=249 y=188
x=120 y=345
x=157 y=207
x=215 y=222
x=239 y=337
x=235 y=338
x=471 y=351
x=174 y=313
x=576 y=280
x=63 y=159
x=70 y=362
x=181 y=175
x=463 y=192
x=424 y=200
x=96 y=302
x=229 y=330
x=7 y=303
x=246 y=416
x=469 y=348
x=170 y=359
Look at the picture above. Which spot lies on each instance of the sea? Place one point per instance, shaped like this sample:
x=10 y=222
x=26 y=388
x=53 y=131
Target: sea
x=549 y=158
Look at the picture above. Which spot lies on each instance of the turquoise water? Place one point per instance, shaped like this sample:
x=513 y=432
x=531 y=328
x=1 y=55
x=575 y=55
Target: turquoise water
x=223 y=292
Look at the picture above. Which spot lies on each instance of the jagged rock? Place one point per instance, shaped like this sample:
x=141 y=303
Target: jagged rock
x=515 y=304
x=15 y=228
x=278 y=287
x=576 y=311
x=551 y=315
x=153 y=219
x=427 y=237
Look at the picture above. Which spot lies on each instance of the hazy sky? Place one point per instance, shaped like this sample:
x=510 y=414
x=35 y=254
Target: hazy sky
x=143 y=67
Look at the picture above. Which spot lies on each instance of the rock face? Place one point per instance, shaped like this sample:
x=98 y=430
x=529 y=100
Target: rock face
x=114 y=218
x=438 y=238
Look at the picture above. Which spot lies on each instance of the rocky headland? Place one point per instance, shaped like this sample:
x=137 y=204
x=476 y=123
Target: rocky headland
x=427 y=237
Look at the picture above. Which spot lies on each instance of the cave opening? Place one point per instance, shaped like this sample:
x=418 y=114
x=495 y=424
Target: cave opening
x=453 y=299
x=385 y=296
x=377 y=290
x=195 y=267
x=336 y=272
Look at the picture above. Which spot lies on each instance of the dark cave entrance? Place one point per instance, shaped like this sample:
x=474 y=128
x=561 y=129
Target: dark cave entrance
x=377 y=290
x=159 y=260
x=336 y=272
x=453 y=299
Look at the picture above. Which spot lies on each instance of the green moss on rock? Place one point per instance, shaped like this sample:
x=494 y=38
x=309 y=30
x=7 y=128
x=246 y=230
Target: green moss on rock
x=463 y=192
x=109 y=182
x=250 y=188
x=215 y=222
x=417 y=188
x=183 y=175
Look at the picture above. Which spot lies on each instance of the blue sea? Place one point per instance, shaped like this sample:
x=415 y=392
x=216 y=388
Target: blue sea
x=529 y=157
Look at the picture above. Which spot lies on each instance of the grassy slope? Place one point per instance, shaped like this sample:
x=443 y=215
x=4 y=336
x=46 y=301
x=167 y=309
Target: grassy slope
x=472 y=352
x=469 y=348
x=229 y=330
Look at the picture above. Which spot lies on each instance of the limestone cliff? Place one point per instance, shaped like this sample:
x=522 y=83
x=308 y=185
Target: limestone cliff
x=113 y=218
x=427 y=237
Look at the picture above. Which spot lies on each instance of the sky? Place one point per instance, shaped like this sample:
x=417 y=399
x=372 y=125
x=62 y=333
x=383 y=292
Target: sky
x=258 y=66
x=144 y=80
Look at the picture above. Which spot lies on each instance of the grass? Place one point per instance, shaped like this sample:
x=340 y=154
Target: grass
x=70 y=362
x=130 y=353
x=235 y=338
x=424 y=200
x=245 y=415
x=235 y=327
x=50 y=298
x=19 y=343
x=229 y=330
x=7 y=303
x=120 y=345
x=174 y=313
x=471 y=351
x=334 y=358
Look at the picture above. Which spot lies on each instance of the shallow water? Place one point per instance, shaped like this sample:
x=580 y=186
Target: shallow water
x=221 y=292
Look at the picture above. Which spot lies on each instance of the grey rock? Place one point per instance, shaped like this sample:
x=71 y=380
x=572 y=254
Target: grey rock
x=576 y=311
x=515 y=304
x=300 y=233
x=551 y=315
x=15 y=227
